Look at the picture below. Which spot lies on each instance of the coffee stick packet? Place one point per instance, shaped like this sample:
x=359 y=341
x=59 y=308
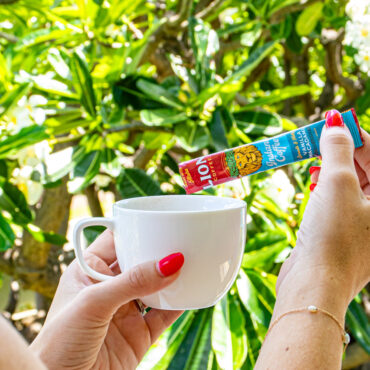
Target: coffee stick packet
x=303 y=143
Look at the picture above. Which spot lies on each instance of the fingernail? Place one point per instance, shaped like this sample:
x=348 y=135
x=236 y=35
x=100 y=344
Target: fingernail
x=333 y=118
x=170 y=264
x=313 y=169
x=312 y=187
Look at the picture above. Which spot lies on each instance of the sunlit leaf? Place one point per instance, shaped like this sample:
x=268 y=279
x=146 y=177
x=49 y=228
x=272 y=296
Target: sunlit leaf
x=258 y=123
x=13 y=201
x=134 y=182
x=221 y=336
x=83 y=83
x=7 y=236
x=161 y=117
x=84 y=171
x=308 y=19
x=358 y=322
x=217 y=127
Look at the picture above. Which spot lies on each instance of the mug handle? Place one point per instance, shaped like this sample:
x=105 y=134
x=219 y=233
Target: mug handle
x=86 y=222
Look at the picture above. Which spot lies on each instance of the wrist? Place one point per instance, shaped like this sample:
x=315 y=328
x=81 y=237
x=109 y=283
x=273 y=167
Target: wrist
x=320 y=286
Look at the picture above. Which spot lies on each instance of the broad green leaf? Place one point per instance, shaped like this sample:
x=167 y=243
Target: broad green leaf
x=195 y=348
x=54 y=34
x=221 y=336
x=308 y=19
x=258 y=123
x=7 y=236
x=363 y=102
x=134 y=182
x=157 y=140
x=164 y=349
x=66 y=159
x=294 y=41
x=250 y=37
x=161 y=117
x=53 y=86
x=84 y=171
x=110 y=163
x=263 y=257
x=59 y=64
x=13 y=201
x=217 y=128
x=83 y=83
x=191 y=137
x=92 y=232
x=204 y=43
x=249 y=296
x=283 y=29
x=278 y=95
x=127 y=93
x=246 y=68
x=265 y=239
x=359 y=324
x=254 y=341
x=3 y=169
x=159 y=94
x=238 y=332
x=265 y=285
x=45 y=237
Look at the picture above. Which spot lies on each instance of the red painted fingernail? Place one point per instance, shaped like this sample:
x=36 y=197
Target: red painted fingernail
x=170 y=264
x=312 y=186
x=313 y=169
x=333 y=118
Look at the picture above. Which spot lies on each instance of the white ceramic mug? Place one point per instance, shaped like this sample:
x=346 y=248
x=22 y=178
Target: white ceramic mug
x=209 y=231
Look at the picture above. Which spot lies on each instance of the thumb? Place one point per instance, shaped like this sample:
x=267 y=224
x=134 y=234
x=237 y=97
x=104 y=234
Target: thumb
x=139 y=281
x=337 y=147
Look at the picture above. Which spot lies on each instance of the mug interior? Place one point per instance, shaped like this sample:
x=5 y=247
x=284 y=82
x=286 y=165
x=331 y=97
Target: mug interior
x=180 y=203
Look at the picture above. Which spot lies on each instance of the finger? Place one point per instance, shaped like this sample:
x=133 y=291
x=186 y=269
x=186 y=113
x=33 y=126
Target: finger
x=115 y=268
x=159 y=320
x=337 y=149
x=336 y=144
x=139 y=281
x=361 y=175
x=103 y=247
x=315 y=173
x=362 y=155
x=366 y=190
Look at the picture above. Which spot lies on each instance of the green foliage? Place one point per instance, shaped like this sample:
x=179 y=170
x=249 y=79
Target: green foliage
x=118 y=90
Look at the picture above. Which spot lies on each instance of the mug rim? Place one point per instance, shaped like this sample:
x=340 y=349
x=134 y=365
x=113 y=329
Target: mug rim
x=236 y=204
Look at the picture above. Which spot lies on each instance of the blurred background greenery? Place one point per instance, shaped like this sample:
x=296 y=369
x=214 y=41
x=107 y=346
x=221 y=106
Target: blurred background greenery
x=101 y=99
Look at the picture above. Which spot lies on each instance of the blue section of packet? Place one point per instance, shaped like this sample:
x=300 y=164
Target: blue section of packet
x=300 y=144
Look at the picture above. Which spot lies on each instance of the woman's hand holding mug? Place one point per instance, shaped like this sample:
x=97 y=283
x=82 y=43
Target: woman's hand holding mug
x=100 y=325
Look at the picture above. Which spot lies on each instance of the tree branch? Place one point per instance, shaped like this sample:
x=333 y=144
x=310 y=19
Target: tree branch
x=93 y=200
x=138 y=126
x=7 y=2
x=258 y=72
x=288 y=103
x=8 y=36
x=211 y=9
x=33 y=253
x=303 y=78
x=171 y=26
x=143 y=157
x=332 y=42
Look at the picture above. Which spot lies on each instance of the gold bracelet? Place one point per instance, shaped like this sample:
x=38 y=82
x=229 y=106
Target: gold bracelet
x=313 y=309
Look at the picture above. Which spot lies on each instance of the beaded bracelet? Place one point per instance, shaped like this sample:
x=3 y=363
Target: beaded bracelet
x=313 y=309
